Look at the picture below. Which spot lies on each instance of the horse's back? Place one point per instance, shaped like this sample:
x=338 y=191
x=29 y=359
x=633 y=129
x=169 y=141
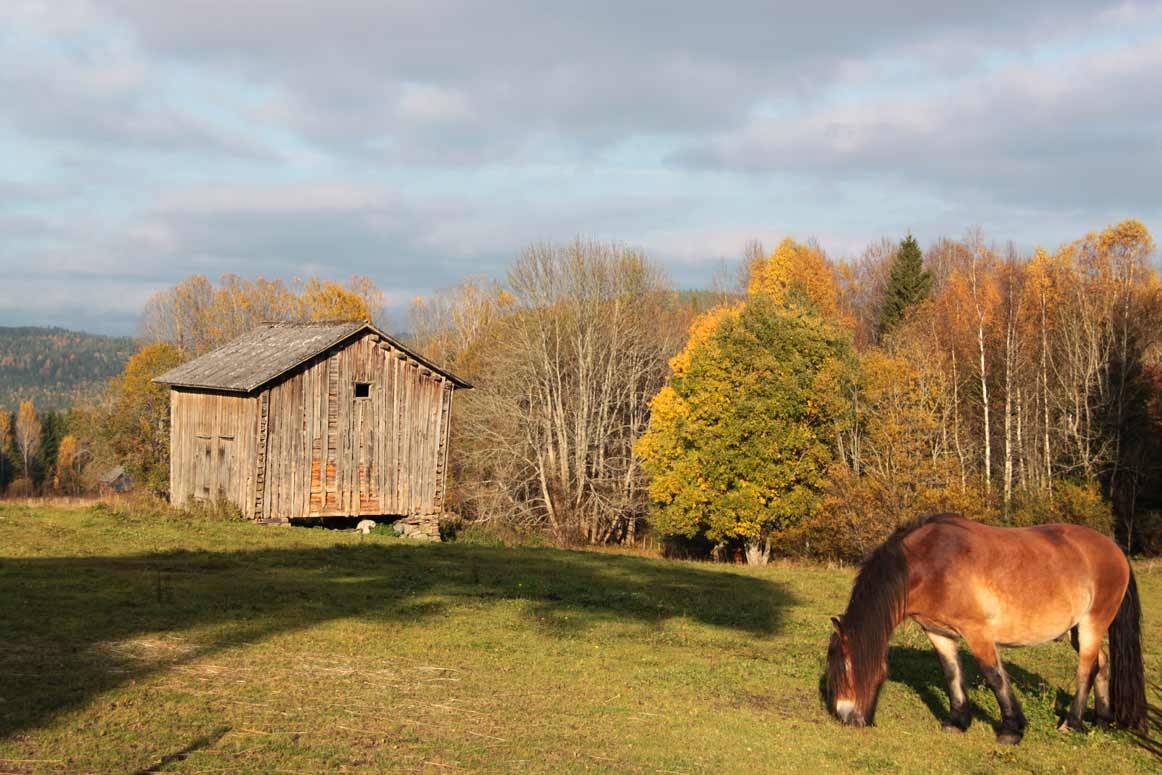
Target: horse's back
x=1023 y=585
x=953 y=540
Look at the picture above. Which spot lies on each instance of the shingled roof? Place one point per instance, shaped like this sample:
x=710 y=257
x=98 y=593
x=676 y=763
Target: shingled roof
x=271 y=350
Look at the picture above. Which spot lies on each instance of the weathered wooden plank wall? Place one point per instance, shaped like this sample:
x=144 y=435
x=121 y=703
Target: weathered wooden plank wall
x=329 y=453
x=212 y=447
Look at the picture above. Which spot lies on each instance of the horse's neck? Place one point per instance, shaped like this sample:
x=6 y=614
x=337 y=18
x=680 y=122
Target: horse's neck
x=878 y=612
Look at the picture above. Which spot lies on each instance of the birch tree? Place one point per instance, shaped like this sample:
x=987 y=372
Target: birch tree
x=28 y=435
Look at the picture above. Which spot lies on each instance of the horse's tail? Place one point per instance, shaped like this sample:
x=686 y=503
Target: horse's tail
x=1127 y=680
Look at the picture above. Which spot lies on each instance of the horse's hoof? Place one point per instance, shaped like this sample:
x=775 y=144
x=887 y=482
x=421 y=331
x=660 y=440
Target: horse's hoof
x=1072 y=725
x=1103 y=723
x=951 y=728
x=1009 y=738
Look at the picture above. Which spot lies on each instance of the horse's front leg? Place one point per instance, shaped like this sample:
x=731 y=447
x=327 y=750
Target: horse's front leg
x=1012 y=719
x=946 y=649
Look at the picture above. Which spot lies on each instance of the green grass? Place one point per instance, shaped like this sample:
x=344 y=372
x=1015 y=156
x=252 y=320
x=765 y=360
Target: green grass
x=145 y=644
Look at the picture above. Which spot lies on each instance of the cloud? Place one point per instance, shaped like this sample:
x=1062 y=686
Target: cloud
x=409 y=244
x=336 y=228
x=107 y=305
x=72 y=75
x=421 y=141
x=365 y=76
x=1085 y=129
x=435 y=105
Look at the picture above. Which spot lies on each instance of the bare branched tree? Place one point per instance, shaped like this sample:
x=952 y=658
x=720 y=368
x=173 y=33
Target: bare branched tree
x=565 y=362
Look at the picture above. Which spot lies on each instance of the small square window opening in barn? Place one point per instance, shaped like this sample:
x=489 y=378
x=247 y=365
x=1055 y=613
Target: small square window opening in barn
x=363 y=390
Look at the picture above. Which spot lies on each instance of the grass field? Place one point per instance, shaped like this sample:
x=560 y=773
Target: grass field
x=132 y=644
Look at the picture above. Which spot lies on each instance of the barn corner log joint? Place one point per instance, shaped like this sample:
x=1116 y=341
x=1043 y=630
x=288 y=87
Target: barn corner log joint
x=298 y=420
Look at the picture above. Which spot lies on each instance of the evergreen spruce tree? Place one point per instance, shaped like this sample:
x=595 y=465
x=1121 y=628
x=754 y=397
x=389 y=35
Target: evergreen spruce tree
x=908 y=284
x=52 y=430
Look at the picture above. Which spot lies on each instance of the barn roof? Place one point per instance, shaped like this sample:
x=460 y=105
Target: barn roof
x=112 y=475
x=271 y=350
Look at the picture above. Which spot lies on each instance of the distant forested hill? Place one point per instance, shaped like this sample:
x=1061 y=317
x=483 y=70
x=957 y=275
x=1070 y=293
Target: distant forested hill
x=51 y=365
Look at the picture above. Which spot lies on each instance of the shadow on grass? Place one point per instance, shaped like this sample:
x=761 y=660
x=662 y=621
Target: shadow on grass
x=205 y=741
x=67 y=624
x=919 y=670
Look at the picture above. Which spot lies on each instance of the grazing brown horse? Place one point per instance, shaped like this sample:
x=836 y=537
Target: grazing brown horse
x=994 y=587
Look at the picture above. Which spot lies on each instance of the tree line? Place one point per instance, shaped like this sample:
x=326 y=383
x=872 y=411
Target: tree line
x=52 y=366
x=814 y=405
x=804 y=407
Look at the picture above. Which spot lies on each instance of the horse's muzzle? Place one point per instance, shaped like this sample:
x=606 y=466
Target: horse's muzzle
x=846 y=712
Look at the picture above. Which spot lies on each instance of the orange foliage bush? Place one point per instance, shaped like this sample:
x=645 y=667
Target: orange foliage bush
x=1078 y=503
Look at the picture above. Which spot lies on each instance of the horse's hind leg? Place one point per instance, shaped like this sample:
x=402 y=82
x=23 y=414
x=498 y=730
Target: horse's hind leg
x=1101 y=683
x=1090 y=661
x=959 y=715
x=1101 y=691
x=1012 y=719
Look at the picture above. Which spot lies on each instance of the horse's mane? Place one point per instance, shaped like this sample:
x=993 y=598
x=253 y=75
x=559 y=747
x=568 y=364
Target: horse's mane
x=879 y=598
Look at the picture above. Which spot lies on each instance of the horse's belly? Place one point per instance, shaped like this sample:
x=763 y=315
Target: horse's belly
x=1005 y=614
x=1031 y=637
x=1025 y=627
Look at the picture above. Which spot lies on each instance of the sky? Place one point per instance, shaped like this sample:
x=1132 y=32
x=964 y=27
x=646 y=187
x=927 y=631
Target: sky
x=420 y=143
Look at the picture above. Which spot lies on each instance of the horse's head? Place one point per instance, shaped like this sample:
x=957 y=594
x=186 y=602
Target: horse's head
x=853 y=685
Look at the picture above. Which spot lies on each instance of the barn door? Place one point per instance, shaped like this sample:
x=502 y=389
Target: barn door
x=204 y=473
x=215 y=450
x=227 y=459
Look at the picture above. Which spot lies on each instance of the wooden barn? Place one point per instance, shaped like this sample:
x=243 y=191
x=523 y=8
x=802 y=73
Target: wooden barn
x=298 y=420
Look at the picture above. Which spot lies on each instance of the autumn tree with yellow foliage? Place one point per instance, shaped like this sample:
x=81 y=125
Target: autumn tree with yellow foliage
x=900 y=461
x=448 y=326
x=137 y=425
x=196 y=316
x=325 y=301
x=740 y=440
x=796 y=266
x=69 y=460
x=5 y=439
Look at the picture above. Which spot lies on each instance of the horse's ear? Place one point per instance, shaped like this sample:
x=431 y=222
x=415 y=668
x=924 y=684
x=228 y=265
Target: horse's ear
x=837 y=624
